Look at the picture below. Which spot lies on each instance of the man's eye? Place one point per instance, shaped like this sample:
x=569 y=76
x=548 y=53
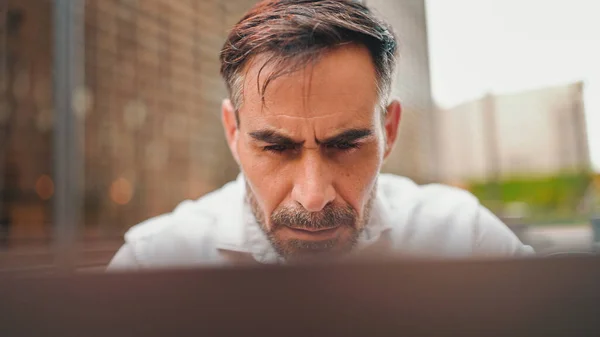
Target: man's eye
x=343 y=146
x=276 y=148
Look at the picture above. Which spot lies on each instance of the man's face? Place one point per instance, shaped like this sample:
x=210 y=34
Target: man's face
x=312 y=152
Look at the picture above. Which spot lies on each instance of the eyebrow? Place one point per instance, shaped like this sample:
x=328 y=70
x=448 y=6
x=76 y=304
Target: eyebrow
x=347 y=136
x=274 y=137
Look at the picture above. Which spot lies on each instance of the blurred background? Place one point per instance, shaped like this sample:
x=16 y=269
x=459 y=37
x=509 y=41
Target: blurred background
x=109 y=115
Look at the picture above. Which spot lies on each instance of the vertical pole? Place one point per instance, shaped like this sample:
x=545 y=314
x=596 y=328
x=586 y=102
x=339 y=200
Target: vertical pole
x=67 y=140
x=492 y=150
x=4 y=120
x=581 y=164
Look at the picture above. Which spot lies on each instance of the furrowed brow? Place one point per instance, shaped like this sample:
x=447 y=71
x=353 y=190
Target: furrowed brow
x=273 y=137
x=348 y=136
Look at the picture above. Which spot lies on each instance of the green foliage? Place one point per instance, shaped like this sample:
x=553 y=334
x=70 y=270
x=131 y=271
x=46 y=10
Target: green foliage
x=553 y=197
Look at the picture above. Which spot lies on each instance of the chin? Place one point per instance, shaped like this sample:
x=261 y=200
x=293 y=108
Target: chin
x=300 y=246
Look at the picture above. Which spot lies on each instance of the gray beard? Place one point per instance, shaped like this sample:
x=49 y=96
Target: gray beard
x=296 y=249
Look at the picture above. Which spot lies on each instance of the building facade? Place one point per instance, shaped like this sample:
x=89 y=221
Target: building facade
x=536 y=132
x=415 y=154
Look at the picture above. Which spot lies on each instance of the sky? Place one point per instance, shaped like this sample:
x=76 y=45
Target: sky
x=504 y=46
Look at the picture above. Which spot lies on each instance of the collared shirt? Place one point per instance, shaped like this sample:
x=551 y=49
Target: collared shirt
x=429 y=221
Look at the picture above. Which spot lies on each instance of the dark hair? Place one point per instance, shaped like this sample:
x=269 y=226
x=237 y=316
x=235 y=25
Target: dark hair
x=294 y=33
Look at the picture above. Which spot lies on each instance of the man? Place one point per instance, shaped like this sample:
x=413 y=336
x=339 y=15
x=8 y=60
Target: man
x=310 y=122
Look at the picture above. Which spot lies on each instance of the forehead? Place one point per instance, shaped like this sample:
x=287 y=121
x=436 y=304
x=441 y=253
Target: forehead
x=340 y=85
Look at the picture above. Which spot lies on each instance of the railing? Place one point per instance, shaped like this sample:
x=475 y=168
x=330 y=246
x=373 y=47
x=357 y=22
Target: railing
x=38 y=257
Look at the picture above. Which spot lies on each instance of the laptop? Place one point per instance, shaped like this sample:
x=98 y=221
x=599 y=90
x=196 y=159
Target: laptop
x=557 y=296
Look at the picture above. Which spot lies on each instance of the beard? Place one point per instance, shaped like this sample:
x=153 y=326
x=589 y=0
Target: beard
x=331 y=216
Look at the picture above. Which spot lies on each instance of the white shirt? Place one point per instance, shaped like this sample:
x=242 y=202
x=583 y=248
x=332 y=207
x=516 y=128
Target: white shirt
x=430 y=221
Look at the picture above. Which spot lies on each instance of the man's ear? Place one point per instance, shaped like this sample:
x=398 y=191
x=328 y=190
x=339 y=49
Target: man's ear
x=391 y=123
x=230 y=125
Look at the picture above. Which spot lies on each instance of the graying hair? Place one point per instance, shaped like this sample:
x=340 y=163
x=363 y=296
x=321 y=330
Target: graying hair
x=296 y=33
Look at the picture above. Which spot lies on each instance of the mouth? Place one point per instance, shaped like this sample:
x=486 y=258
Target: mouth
x=314 y=233
x=314 y=230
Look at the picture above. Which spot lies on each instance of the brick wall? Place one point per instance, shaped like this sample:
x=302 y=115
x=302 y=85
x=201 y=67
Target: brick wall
x=152 y=72
x=151 y=100
x=26 y=121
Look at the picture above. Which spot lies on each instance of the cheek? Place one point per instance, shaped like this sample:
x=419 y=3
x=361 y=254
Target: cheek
x=357 y=179
x=255 y=161
x=267 y=182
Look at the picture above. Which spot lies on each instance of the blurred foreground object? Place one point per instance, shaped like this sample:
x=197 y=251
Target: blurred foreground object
x=534 y=297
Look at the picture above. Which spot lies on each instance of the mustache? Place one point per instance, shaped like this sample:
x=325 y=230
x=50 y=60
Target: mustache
x=331 y=216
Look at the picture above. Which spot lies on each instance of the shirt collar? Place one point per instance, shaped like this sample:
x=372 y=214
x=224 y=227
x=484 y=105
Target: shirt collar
x=239 y=231
x=231 y=222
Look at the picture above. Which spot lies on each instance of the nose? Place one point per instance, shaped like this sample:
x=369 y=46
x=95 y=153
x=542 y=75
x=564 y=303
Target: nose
x=313 y=185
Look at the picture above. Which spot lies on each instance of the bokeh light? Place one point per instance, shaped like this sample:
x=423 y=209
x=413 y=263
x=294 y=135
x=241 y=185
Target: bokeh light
x=44 y=187
x=82 y=101
x=121 y=191
x=134 y=114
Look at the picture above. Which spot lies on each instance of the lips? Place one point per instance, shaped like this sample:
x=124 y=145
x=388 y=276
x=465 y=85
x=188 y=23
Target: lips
x=314 y=230
x=312 y=234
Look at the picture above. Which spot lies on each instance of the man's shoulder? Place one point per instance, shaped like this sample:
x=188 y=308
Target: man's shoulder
x=437 y=199
x=187 y=235
x=440 y=219
x=202 y=213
